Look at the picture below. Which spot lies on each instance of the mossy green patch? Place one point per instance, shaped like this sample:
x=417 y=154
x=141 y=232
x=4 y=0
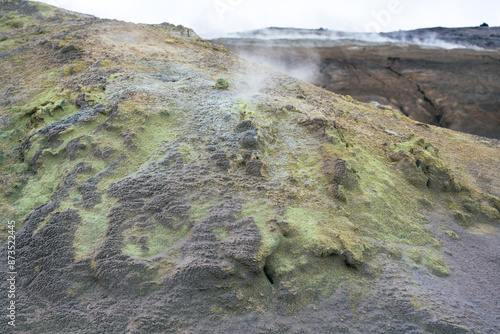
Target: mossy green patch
x=452 y=235
x=55 y=162
x=302 y=240
x=485 y=142
x=15 y=20
x=387 y=202
x=264 y=216
x=105 y=63
x=416 y=143
x=220 y=233
x=43 y=109
x=37 y=192
x=114 y=76
x=416 y=255
x=75 y=67
x=91 y=232
x=430 y=260
x=337 y=141
x=46 y=108
x=8 y=44
x=201 y=208
x=436 y=265
x=323 y=235
x=188 y=152
x=145 y=244
x=245 y=109
x=222 y=83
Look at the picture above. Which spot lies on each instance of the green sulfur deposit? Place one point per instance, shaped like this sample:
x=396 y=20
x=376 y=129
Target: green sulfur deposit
x=222 y=83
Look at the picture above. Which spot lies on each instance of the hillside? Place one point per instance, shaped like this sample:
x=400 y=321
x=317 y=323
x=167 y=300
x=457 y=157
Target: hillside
x=149 y=199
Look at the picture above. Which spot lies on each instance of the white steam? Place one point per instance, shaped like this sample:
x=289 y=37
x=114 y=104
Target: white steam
x=327 y=38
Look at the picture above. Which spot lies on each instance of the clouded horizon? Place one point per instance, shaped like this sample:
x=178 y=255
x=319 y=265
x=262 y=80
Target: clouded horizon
x=215 y=18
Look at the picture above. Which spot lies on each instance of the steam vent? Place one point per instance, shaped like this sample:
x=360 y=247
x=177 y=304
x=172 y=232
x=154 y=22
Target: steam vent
x=143 y=199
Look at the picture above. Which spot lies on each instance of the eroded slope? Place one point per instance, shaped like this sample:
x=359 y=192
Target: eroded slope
x=147 y=200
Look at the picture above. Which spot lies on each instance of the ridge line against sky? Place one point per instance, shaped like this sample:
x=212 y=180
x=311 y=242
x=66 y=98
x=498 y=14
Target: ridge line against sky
x=216 y=18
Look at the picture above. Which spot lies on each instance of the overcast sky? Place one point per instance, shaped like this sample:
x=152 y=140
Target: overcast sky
x=213 y=18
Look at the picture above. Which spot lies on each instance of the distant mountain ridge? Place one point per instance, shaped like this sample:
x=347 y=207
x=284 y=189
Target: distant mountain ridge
x=487 y=38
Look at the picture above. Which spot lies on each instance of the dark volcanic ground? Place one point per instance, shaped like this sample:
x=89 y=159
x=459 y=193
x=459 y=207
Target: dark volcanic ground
x=455 y=85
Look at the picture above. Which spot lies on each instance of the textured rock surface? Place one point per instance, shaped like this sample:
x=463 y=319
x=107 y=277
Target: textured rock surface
x=149 y=201
x=453 y=88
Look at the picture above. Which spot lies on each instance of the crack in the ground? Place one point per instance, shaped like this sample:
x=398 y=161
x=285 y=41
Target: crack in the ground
x=395 y=72
x=426 y=98
x=435 y=110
